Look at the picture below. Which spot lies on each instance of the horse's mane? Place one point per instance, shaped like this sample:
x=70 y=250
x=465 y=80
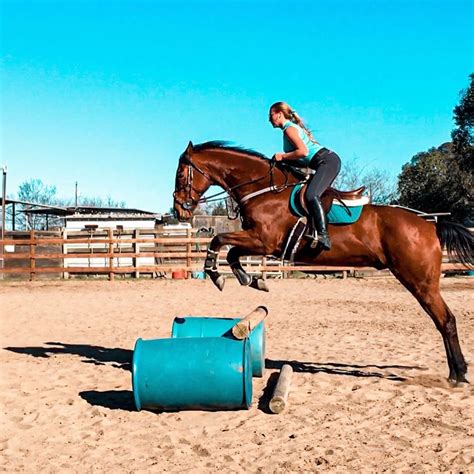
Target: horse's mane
x=228 y=146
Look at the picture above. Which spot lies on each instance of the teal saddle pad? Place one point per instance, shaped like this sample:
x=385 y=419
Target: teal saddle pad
x=338 y=214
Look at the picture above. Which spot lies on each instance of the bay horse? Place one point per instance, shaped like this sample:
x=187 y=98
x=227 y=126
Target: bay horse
x=383 y=237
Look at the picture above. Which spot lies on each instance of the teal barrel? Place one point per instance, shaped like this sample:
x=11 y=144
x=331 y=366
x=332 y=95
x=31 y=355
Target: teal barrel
x=192 y=373
x=197 y=326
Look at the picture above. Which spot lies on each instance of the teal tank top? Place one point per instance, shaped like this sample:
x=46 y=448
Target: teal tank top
x=288 y=146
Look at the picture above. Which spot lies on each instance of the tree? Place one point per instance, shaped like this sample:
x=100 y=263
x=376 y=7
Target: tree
x=462 y=136
x=441 y=179
x=96 y=201
x=218 y=209
x=426 y=183
x=379 y=183
x=463 y=141
x=34 y=191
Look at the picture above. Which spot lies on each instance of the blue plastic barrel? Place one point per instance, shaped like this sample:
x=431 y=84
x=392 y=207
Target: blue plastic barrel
x=198 y=275
x=196 y=326
x=191 y=373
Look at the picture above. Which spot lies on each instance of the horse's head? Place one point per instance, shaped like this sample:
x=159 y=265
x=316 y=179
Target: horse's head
x=192 y=181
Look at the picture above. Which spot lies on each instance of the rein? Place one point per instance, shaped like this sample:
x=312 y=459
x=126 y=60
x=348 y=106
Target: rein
x=190 y=201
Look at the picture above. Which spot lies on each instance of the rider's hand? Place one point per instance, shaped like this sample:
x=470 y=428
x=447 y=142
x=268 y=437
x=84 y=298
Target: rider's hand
x=278 y=157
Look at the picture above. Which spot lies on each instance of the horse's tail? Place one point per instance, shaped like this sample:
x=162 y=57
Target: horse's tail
x=458 y=240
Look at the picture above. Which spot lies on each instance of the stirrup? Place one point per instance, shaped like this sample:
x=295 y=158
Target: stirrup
x=312 y=236
x=324 y=241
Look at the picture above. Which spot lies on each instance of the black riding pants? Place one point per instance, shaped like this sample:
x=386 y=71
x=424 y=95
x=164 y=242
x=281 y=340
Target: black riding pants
x=327 y=165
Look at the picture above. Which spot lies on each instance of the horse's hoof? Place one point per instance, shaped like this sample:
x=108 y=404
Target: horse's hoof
x=220 y=282
x=463 y=382
x=259 y=284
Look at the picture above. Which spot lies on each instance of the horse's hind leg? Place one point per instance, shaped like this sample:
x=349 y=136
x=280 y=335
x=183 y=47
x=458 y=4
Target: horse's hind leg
x=425 y=288
x=233 y=257
x=446 y=324
x=245 y=242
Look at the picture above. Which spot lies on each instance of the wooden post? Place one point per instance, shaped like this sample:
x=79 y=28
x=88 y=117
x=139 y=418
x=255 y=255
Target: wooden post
x=90 y=248
x=264 y=263
x=246 y=325
x=110 y=233
x=188 y=251
x=13 y=216
x=136 y=249
x=32 y=255
x=65 y=250
x=279 y=399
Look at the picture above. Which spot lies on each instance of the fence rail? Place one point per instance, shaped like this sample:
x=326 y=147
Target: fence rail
x=135 y=252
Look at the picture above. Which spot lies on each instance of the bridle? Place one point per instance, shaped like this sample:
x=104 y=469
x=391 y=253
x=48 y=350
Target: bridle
x=190 y=201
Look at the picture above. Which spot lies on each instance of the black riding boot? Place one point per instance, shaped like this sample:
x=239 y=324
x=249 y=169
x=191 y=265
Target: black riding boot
x=318 y=227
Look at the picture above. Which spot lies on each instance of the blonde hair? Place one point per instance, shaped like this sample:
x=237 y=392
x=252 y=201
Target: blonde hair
x=292 y=116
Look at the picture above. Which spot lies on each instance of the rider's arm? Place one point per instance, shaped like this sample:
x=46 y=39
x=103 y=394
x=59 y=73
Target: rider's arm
x=300 y=150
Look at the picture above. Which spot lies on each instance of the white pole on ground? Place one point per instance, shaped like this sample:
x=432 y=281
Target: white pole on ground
x=246 y=325
x=279 y=399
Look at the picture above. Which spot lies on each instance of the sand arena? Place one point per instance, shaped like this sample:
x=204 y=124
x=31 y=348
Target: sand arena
x=369 y=389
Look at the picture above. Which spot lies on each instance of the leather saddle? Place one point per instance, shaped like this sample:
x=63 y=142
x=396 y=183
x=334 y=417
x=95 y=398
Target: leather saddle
x=330 y=195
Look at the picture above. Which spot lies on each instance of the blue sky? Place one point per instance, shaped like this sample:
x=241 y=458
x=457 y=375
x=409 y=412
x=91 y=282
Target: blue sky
x=109 y=92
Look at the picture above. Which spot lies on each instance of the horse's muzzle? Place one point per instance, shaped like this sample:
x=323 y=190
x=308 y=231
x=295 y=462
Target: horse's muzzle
x=181 y=212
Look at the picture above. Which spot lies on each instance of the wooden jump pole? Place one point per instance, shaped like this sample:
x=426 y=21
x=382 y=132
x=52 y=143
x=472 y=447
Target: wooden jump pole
x=279 y=399
x=246 y=325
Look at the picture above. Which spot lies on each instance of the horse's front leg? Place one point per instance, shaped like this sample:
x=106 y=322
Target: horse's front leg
x=233 y=257
x=210 y=267
x=245 y=241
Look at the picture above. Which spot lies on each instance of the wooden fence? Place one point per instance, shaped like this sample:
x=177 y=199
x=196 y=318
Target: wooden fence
x=153 y=252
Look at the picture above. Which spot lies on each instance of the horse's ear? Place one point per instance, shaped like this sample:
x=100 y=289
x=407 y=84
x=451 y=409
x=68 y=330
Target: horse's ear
x=189 y=149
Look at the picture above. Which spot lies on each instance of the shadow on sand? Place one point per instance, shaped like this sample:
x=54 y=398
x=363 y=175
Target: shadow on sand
x=98 y=355
x=334 y=368
x=111 y=399
x=122 y=359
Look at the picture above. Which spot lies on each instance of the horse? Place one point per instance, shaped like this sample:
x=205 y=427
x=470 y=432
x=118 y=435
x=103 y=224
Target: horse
x=383 y=236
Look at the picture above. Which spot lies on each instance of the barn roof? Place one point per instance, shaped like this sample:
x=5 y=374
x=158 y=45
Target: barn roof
x=91 y=210
x=77 y=211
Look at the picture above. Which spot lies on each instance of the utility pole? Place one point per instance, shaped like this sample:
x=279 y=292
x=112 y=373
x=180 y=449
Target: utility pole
x=4 y=197
x=76 y=194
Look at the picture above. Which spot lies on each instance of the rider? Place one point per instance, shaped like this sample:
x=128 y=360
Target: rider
x=303 y=150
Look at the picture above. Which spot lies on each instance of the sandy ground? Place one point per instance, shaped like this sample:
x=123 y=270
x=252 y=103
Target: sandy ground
x=369 y=391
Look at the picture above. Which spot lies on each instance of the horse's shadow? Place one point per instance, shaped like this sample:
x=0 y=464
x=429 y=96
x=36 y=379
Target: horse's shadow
x=335 y=368
x=98 y=355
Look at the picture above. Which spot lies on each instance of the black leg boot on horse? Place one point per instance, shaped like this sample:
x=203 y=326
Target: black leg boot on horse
x=317 y=229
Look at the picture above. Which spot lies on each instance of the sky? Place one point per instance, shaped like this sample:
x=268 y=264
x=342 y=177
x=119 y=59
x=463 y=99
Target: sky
x=108 y=93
